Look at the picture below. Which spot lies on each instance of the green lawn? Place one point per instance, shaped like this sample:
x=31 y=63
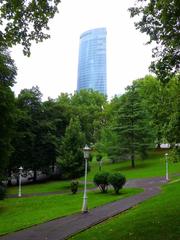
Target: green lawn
x=154 y=219
x=153 y=166
x=52 y=186
x=19 y=213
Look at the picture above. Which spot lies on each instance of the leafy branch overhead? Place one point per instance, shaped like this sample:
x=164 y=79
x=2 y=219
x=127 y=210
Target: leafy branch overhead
x=22 y=22
x=160 y=19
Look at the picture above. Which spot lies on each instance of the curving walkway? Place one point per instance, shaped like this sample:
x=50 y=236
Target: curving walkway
x=65 y=227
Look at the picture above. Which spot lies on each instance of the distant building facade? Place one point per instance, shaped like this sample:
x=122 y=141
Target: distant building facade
x=92 y=61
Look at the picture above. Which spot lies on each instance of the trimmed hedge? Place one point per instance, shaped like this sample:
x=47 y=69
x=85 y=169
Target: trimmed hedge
x=117 y=180
x=101 y=180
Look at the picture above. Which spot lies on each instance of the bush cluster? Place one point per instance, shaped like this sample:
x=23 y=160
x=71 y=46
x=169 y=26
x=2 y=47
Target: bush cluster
x=117 y=180
x=103 y=179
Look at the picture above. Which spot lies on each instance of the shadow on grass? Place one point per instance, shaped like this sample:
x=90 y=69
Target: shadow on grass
x=111 y=192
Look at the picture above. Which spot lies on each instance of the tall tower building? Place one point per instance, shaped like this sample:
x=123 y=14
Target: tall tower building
x=92 y=61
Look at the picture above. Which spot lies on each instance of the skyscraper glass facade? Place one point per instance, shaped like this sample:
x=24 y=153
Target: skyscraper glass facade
x=92 y=61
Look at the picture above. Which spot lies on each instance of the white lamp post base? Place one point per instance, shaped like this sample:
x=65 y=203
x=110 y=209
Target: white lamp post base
x=167 y=174
x=85 y=205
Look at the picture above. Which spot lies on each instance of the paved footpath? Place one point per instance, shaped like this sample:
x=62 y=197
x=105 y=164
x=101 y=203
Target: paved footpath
x=65 y=227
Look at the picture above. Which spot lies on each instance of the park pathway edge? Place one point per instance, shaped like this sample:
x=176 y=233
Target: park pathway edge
x=63 y=228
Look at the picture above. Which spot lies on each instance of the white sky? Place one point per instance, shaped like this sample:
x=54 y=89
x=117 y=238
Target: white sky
x=53 y=64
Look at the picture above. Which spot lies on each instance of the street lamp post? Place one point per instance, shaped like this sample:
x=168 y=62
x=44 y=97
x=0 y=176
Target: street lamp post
x=86 y=151
x=167 y=176
x=20 y=172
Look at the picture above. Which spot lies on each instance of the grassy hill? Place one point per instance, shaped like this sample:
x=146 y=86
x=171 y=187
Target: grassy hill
x=20 y=213
x=154 y=219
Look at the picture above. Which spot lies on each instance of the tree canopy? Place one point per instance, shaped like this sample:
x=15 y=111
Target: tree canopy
x=71 y=156
x=38 y=135
x=160 y=20
x=8 y=70
x=7 y=106
x=132 y=127
x=22 y=22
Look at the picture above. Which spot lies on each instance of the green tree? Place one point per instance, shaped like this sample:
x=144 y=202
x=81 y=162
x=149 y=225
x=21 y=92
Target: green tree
x=26 y=126
x=35 y=142
x=7 y=107
x=7 y=110
x=117 y=180
x=156 y=102
x=173 y=120
x=101 y=180
x=132 y=126
x=64 y=111
x=57 y=114
x=8 y=70
x=108 y=141
x=162 y=104
x=160 y=20
x=88 y=106
x=71 y=156
x=107 y=144
x=22 y=22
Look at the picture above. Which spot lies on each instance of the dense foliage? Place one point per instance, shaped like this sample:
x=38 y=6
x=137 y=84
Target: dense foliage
x=132 y=127
x=145 y=116
x=71 y=156
x=117 y=180
x=101 y=180
x=7 y=107
x=22 y=22
x=49 y=136
x=159 y=19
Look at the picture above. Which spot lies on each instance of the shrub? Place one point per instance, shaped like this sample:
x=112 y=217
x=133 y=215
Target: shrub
x=117 y=180
x=101 y=180
x=175 y=155
x=2 y=191
x=74 y=186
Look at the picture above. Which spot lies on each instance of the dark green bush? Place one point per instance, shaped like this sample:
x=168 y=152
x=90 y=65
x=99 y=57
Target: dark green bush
x=74 y=186
x=101 y=180
x=2 y=191
x=117 y=180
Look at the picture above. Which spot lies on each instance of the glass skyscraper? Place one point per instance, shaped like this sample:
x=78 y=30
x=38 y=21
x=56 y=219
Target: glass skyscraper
x=92 y=61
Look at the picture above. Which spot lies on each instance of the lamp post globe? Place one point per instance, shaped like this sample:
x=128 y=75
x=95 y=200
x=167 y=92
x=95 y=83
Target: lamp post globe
x=86 y=151
x=20 y=172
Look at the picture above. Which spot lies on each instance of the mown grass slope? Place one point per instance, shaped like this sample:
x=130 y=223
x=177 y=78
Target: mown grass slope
x=154 y=219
